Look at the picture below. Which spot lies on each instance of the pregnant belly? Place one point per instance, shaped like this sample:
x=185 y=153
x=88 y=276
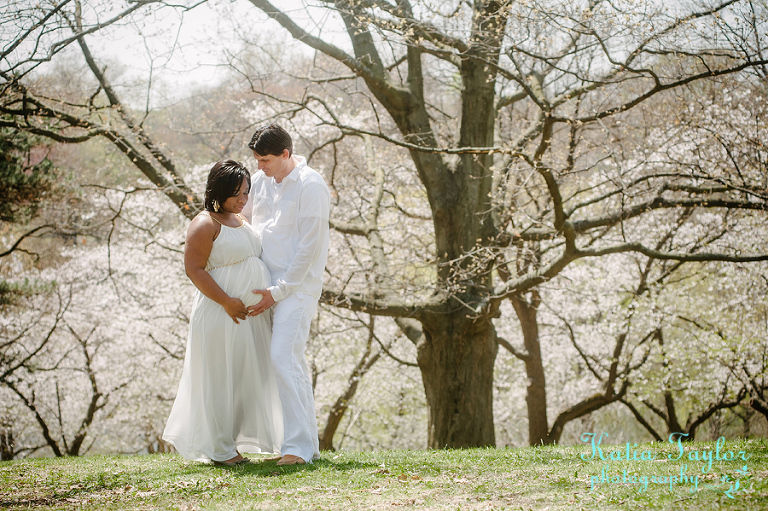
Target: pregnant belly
x=241 y=279
x=258 y=278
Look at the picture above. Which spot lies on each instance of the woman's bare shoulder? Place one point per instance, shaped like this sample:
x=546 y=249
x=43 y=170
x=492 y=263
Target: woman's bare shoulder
x=203 y=224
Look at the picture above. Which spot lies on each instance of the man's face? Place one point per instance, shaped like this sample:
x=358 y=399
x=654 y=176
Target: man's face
x=273 y=165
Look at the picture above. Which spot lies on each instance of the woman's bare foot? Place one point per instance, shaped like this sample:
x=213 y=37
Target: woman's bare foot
x=236 y=460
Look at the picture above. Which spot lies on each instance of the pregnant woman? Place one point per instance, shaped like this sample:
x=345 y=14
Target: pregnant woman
x=227 y=401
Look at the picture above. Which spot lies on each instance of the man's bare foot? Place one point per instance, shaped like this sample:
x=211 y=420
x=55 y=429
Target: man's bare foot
x=290 y=459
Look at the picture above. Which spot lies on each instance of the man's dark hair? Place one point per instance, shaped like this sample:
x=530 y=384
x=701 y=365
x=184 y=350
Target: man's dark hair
x=271 y=139
x=223 y=181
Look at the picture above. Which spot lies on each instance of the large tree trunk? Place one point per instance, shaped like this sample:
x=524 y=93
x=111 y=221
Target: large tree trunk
x=459 y=351
x=456 y=361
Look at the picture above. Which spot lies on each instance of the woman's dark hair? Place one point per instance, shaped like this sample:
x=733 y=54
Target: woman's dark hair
x=271 y=139
x=223 y=181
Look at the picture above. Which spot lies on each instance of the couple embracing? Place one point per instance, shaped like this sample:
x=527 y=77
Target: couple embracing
x=256 y=255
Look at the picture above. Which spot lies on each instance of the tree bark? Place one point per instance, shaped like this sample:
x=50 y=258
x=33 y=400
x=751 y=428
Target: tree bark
x=456 y=359
x=536 y=392
x=759 y=405
x=6 y=444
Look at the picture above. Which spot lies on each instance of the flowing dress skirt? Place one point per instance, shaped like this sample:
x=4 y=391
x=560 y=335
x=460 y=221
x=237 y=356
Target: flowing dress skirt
x=227 y=399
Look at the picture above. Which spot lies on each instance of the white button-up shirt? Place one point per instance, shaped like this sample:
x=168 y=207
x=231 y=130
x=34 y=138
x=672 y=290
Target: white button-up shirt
x=292 y=219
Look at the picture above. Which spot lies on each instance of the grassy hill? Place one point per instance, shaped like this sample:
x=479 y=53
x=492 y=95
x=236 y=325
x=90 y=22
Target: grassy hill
x=577 y=477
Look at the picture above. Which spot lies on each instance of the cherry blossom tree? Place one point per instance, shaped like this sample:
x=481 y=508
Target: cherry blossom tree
x=76 y=355
x=526 y=137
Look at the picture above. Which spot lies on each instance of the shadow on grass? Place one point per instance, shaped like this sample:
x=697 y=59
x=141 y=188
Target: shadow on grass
x=270 y=468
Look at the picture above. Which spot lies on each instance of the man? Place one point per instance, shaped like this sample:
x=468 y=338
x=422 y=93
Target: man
x=290 y=211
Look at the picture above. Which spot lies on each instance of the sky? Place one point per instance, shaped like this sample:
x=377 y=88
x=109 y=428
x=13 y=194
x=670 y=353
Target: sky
x=189 y=48
x=178 y=48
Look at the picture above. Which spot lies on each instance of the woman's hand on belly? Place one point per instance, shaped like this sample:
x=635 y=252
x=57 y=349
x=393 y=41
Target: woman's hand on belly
x=235 y=309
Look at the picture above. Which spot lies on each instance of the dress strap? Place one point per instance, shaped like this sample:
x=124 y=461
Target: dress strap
x=210 y=216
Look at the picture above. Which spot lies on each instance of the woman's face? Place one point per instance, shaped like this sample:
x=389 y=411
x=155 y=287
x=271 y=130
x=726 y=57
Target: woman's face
x=236 y=203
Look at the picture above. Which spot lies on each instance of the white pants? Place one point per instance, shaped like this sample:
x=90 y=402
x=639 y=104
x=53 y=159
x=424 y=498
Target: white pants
x=290 y=331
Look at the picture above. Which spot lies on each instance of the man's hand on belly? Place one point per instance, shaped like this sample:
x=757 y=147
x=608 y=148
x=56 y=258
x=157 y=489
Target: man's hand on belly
x=266 y=302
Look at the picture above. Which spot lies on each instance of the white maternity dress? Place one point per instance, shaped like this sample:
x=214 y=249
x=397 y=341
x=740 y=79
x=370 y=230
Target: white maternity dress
x=227 y=399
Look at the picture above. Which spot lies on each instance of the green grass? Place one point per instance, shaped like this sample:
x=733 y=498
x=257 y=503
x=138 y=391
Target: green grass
x=527 y=478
